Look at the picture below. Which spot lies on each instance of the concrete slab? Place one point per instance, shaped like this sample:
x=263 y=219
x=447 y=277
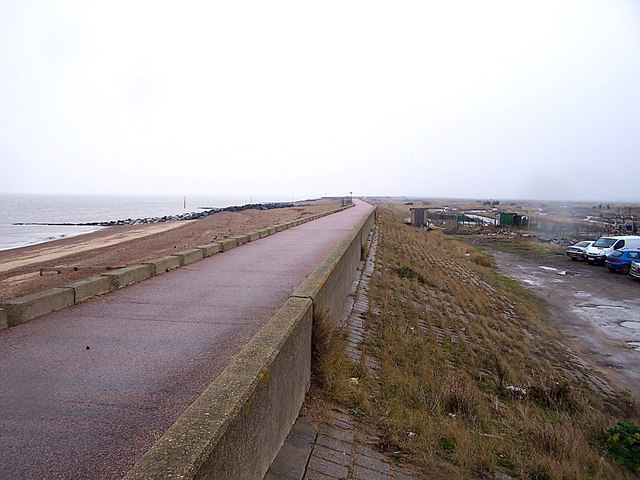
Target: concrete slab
x=90 y=287
x=228 y=244
x=210 y=249
x=163 y=264
x=22 y=309
x=272 y=230
x=263 y=232
x=129 y=275
x=189 y=256
x=253 y=236
x=291 y=461
x=241 y=239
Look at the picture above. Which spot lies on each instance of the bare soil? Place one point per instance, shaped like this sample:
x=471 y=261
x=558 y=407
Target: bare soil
x=598 y=310
x=130 y=244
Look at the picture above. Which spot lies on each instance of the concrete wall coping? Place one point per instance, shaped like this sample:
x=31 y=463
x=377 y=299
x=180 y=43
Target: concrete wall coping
x=163 y=264
x=189 y=256
x=22 y=309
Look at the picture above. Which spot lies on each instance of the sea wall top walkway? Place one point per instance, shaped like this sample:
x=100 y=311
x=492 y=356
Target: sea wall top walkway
x=87 y=390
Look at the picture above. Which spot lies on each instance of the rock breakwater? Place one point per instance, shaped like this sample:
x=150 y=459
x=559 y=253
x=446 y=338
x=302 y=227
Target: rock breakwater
x=169 y=218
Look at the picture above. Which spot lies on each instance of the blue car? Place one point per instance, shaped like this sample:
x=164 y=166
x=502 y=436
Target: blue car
x=620 y=260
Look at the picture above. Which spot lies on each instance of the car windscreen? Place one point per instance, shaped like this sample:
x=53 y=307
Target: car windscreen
x=582 y=244
x=604 y=242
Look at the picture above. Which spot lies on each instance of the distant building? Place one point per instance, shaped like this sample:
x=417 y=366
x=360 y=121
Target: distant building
x=512 y=220
x=417 y=217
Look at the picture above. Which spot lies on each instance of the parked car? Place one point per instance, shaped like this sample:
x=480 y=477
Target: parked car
x=576 y=252
x=634 y=269
x=620 y=260
x=597 y=253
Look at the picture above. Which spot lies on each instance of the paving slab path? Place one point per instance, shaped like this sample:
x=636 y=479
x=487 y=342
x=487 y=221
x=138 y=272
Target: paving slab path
x=86 y=391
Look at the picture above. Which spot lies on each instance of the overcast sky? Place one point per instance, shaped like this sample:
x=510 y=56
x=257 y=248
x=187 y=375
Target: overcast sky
x=512 y=99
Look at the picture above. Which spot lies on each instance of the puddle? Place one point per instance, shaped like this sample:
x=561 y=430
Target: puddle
x=634 y=345
x=549 y=268
x=631 y=324
x=582 y=294
x=530 y=282
x=592 y=305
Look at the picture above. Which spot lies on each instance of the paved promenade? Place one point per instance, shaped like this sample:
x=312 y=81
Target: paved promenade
x=87 y=390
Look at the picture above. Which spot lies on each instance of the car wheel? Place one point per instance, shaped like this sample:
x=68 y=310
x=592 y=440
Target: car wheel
x=625 y=268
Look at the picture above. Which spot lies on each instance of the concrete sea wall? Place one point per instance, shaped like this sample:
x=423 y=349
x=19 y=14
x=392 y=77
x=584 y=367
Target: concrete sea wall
x=236 y=427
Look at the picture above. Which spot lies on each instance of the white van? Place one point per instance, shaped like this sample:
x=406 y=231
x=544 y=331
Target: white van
x=597 y=253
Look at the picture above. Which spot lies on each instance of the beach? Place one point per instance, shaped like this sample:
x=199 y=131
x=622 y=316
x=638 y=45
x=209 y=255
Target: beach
x=125 y=245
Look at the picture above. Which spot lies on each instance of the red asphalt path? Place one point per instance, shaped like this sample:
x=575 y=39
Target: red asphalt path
x=86 y=391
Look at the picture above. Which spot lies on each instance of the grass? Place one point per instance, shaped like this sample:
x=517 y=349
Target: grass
x=514 y=245
x=473 y=380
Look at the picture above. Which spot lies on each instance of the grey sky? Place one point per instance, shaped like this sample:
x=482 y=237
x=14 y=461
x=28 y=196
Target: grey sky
x=459 y=99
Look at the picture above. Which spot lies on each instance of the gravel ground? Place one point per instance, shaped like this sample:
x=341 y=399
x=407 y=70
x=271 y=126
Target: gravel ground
x=598 y=310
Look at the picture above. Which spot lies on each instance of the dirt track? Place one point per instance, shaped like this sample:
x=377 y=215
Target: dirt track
x=597 y=310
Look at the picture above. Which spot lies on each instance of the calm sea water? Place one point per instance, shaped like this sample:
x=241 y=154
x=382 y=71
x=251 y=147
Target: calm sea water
x=93 y=208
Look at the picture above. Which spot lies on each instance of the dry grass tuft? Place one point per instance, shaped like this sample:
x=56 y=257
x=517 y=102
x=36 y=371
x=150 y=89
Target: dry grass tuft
x=321 y=345
x=481 y=259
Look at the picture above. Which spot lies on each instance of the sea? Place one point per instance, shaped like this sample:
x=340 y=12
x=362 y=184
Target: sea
x=51 y=209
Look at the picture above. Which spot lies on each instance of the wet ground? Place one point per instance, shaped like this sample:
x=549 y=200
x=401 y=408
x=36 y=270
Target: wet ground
x=596 y=309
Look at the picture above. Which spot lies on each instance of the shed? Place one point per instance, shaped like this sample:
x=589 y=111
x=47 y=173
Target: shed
x=417 y=217
x=512 y=220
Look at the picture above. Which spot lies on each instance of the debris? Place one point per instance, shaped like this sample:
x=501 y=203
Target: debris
x=519 y=390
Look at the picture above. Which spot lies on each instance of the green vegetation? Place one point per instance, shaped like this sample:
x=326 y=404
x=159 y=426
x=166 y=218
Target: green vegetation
x=624 y=445
x=473 y=381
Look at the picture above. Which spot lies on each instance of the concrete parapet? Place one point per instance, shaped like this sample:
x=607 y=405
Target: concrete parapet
x=329 y=284
x=228 y=244
x=163 y=264
x=128 y=275
x=236 y=427
x=189 y=256
x=253 y=236
x=89 y=287
x=264 y=232
x=4 y=320
x=272 y=230
x=22 y=309
x=242 y=239
x=280 y=227
x=210 y=249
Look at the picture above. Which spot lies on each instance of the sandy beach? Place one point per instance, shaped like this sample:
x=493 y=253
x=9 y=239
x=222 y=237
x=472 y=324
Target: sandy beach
x=127 y=245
